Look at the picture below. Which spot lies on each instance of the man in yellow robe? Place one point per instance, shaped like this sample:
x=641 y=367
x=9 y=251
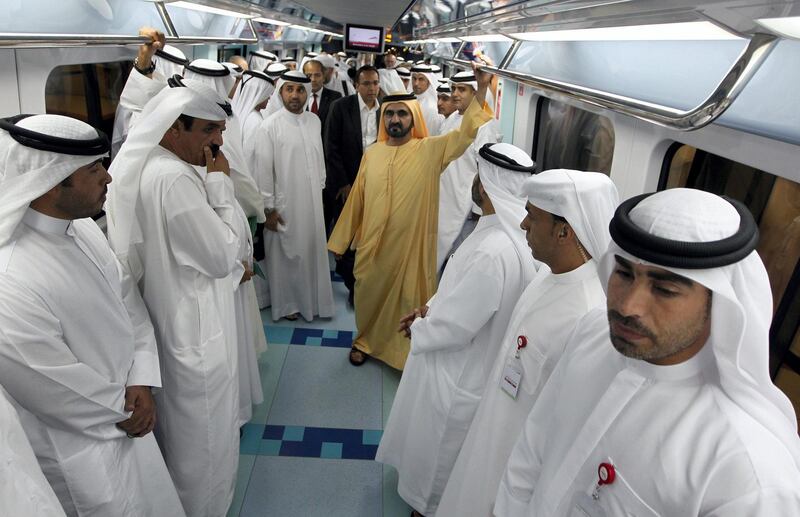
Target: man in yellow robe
x=391 y=216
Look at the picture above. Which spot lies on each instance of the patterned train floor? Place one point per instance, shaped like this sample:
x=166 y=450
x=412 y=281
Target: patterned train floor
x=309 y=449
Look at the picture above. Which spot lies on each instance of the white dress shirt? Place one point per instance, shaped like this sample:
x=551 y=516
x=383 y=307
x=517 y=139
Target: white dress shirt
x=369 y=123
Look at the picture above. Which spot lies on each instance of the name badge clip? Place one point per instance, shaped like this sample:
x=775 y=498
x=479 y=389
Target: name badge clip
x=605 y=476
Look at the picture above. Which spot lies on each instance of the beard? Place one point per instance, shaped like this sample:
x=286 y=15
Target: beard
x=397 y=130
x=476 y=193
x=662 y=345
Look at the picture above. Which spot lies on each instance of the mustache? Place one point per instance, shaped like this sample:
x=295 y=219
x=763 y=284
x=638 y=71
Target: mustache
x=632 y=323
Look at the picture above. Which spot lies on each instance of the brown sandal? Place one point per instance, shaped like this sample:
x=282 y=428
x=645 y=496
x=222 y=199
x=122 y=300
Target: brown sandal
x=357 y=357
x=292 y=317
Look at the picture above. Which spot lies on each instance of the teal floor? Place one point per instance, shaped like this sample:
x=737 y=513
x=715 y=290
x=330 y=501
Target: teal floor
x=309 y=449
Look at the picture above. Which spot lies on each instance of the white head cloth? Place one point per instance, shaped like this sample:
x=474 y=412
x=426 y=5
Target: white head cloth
x=326 y=60
x=221 y=83
x=254 y=89
x=261 y=59
x=461 y=75
x=236 y=72
x=437 y=71
x=275 y=71
x=27 y=173
x=390 y=81
x=741 y=308
x=169 y=68
x=429 y=97
x=505 y=188
x=275 y=103
x=200 y=101
x=587 y=200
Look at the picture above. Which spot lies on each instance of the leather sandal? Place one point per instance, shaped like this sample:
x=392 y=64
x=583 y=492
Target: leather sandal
x=355 y=359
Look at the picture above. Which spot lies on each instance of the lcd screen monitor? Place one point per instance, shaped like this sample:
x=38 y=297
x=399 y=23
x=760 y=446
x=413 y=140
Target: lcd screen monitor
x=363 y=38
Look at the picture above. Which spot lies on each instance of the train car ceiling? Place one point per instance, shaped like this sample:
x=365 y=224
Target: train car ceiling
x=677 y=64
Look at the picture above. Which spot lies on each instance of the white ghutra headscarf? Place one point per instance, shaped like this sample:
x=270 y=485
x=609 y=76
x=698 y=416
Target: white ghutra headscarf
x=200 y=101
x=503 y=171
x=587 y=201
x=27 y=173
x=741 y=309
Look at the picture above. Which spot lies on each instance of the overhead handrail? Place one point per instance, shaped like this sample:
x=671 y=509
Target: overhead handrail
x=33 y=40
x=14 y=40
x=731 y=85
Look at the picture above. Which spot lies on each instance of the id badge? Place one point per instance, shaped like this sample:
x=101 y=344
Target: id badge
x=583 y=505
x=512 y=377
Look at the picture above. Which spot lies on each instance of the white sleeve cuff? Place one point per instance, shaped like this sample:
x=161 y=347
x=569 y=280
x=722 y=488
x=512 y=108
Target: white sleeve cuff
x=144 y=370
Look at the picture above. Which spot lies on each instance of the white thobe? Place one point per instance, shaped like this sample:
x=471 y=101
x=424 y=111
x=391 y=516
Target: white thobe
x=546 y=314
x=137 y=91
x=23 y=488
x=290 y=170
x=250 y=139
x=191 y=269
x=678 y=444
x=340 y=82
x=244 y=184
x=430 y=111
x=75 y=334
x=452 y=353
x=250 y=337
x=455 y=187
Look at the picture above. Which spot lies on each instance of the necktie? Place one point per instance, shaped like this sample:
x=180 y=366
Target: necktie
x=314 y=107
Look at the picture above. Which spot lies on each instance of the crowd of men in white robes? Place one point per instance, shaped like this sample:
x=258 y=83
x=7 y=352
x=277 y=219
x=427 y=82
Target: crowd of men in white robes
x=130 y=360
x=581 y=357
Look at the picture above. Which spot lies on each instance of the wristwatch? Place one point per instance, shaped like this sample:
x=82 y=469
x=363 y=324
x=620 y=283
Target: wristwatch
x=144 y=71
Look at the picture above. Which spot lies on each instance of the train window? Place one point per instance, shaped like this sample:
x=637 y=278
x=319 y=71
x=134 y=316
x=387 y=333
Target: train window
x=89 y=92
x=775 y=204
x=571 y=138
x=491 y=53
x=189 y=22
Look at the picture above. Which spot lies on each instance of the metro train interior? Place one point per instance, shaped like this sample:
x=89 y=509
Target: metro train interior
x=656 y=94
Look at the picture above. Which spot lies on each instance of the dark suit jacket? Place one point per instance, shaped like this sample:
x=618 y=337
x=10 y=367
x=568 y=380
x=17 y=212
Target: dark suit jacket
x=342 y=143
x=326 y=98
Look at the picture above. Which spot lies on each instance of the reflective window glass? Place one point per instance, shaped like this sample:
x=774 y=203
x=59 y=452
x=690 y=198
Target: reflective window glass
x=571 y=138
x=490 y=52
x=192 y=23
x=106 y=17
x=89 y=92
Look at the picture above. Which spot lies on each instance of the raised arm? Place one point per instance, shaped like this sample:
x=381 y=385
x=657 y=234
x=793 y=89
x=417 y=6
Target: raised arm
x=455 y=143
